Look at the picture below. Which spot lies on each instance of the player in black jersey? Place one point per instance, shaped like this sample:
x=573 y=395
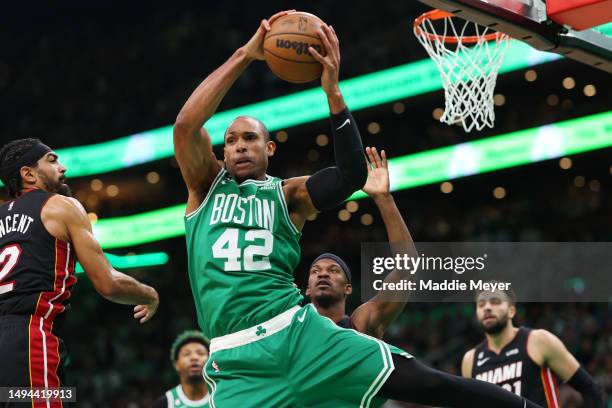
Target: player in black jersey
x=329 y=281
x=42 y=234
x=329 y=285
x=522 y=360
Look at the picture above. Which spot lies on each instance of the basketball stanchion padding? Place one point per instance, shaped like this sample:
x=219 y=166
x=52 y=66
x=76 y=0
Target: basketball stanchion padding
x=579 y=14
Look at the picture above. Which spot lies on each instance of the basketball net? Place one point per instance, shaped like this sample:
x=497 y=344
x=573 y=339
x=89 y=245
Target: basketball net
x=468 y=57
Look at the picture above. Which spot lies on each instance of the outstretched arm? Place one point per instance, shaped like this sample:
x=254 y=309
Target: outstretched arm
x=65 y=218
x=548 y=350
x=192 y=144
x=374 y=316
x=329 y=187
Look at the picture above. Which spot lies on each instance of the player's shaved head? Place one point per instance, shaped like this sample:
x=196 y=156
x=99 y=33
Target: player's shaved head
x=263 y=129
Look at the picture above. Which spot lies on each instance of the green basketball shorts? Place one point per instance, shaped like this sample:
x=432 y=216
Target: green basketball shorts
x=297 y=359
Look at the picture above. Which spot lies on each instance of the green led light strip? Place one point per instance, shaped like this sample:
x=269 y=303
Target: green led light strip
x=432 y=166
x=361 y=92
x=133 y=261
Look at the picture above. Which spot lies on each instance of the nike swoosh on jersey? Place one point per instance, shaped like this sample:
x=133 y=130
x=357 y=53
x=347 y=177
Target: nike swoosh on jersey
x=346 y=122
x=481 y=362
x=301 y=318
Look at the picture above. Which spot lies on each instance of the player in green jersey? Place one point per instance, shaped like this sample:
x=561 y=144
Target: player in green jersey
x=188 y=354
x=242 y=233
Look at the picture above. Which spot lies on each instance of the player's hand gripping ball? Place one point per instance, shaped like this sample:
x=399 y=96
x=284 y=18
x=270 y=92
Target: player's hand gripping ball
x=286 y=47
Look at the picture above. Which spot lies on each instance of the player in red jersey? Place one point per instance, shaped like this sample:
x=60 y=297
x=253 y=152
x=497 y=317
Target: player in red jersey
x=43 y=232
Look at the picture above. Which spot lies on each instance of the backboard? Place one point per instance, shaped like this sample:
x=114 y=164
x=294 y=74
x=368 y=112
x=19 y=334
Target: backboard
x=527 y=21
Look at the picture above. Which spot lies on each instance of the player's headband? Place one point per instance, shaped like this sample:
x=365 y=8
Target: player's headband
x=338 y=260
x=31 y=156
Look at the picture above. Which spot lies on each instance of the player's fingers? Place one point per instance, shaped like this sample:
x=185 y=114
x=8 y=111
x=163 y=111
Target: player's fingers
x=316 y=55
x=377 y=158
x=138 y=308
x=265 y=24
x=368 y=161
x=280 y=14
x=146 y=317
x=138 y=315
x=326 y=44
x=384 y=158
x=370 y=158
x=333 y=36
x=334 y=47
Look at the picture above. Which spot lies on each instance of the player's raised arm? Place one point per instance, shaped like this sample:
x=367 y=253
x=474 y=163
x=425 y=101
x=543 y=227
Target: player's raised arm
x=329 y=187
x=374 y=316
x=192 y=144
x=547 y=347
x=67 y=220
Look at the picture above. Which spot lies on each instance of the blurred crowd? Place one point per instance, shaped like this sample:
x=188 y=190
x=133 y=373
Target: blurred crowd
x=79 y=73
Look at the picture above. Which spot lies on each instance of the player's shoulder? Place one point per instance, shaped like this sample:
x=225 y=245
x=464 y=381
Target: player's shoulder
x=467 y=362
x=294 y=182
x=59 y=207
x=468 y=356
x=542 y=344
x=294 y=188
x=58 y=202
x=541 y=337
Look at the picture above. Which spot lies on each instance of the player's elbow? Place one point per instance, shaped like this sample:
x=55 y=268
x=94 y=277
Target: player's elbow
x=183 y=127
x=180 y=128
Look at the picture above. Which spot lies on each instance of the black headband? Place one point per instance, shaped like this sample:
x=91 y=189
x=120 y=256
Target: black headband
x=338 y=260
x=31 y=156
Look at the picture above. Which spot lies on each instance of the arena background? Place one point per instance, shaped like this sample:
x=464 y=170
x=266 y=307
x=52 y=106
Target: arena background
x=76 y=74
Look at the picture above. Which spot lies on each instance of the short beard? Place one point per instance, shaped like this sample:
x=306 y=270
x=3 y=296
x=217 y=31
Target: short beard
x=64 y=190
x=325 y=301
x=57 y=187
x=497 y=327
x=195 y=379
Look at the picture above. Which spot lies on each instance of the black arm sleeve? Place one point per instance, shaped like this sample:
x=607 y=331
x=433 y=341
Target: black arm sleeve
x=591 y=393
x=332 y=185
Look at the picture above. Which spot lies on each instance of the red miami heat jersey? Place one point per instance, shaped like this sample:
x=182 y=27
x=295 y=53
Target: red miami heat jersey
x=515 y=371
x=36 y=269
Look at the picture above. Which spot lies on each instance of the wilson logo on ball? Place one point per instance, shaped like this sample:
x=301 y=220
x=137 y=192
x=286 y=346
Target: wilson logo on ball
x=299 y=47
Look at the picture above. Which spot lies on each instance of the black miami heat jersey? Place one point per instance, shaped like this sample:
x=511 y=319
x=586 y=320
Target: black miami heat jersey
x=36 y=269
x=515 y=371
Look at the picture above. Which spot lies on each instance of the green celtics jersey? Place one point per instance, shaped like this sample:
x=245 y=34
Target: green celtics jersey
x=177 y=399
x=242 y=249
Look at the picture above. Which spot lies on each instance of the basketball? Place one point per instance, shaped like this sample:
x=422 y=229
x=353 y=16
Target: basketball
x=286 y=47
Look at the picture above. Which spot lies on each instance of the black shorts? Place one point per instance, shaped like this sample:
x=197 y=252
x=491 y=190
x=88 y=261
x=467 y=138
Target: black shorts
x=31 y=354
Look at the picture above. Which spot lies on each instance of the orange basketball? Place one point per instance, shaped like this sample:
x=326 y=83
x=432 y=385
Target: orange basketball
x=286 y=47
